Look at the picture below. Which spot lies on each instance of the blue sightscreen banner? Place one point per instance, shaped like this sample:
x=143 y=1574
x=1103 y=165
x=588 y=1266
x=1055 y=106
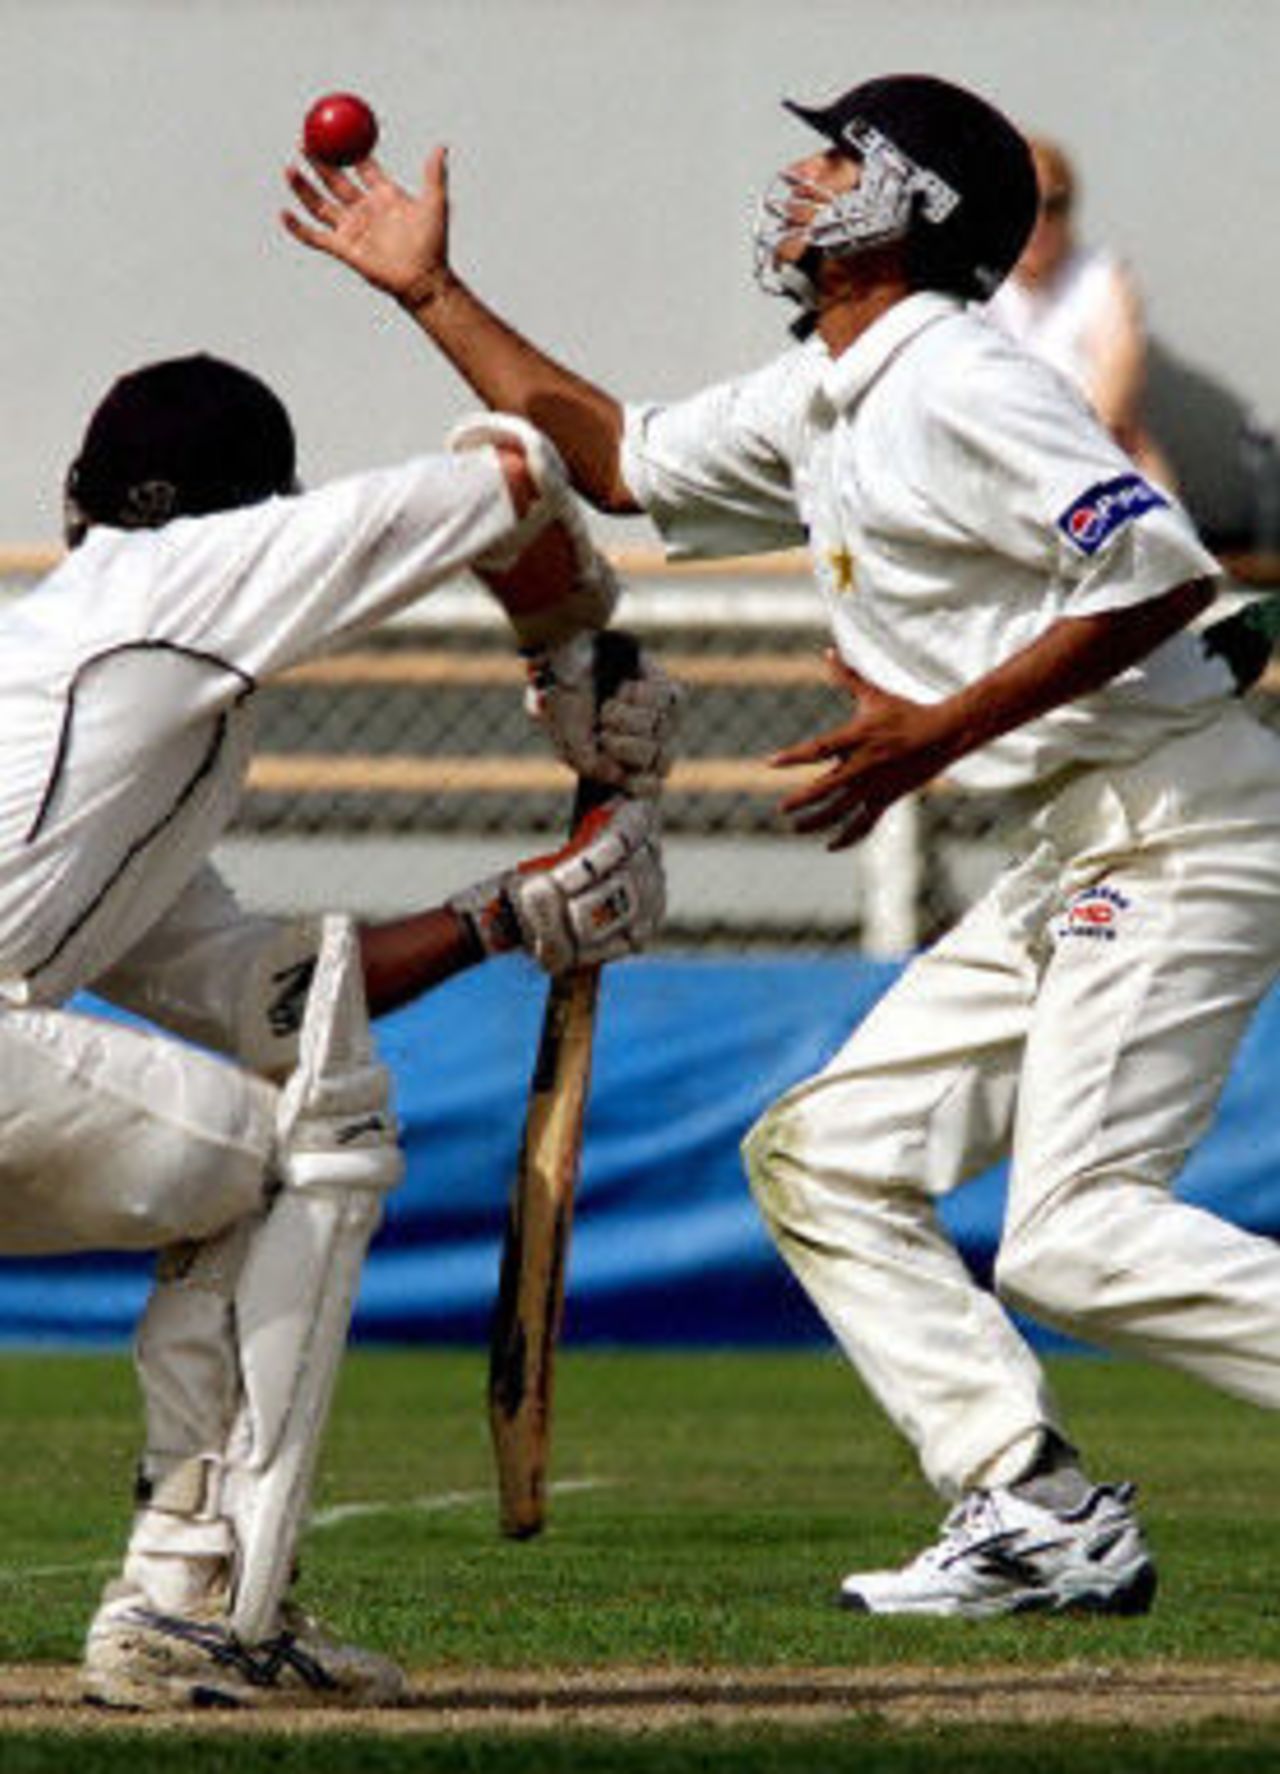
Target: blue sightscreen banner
x=667 y=1246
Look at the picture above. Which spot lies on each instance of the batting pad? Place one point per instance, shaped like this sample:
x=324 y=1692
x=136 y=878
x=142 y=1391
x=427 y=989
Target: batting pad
x=294 y=1300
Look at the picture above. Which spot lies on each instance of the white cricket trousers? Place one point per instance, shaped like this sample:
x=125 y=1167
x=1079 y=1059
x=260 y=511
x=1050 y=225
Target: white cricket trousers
x=1082 y=1018
x=117 y=1138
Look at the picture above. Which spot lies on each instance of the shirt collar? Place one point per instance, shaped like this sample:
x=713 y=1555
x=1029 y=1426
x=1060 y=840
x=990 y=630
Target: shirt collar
x=845 y=379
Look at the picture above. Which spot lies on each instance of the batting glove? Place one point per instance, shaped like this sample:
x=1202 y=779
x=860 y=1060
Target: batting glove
x=628 y=740
x=603 y=895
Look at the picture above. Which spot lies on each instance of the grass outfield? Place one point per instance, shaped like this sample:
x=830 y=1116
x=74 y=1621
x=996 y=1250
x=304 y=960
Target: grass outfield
x=678 y=1612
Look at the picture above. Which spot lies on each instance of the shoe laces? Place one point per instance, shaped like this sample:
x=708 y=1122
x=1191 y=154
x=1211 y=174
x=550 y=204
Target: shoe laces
x=974 y=1518
x=978 y=1521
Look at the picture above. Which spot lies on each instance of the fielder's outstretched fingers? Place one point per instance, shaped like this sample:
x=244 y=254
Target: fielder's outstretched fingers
x=304 y=233
x=846 y=815
x=808 y=751
x=816 y=816
x=312 y=200
x=812 y=795
x=839 y=745
x=337 y=181
x=435 y=173
x=372 y=172
x=854 y=830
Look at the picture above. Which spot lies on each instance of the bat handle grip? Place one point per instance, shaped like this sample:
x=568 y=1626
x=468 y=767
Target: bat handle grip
x=617 y=658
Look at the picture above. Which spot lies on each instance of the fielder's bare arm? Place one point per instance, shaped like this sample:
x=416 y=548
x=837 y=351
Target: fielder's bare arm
x=1008 y=600
x=253 y=1153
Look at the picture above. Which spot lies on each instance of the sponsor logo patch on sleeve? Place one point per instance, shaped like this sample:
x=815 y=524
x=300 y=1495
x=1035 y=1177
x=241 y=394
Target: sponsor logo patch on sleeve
x=1106 y=508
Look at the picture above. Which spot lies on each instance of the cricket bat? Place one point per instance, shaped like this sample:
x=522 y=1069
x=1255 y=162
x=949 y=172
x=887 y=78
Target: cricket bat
x=530 y=1303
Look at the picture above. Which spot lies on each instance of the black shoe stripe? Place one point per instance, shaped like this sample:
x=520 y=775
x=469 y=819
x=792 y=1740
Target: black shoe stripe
x=260 y=1665
x=207 y=1699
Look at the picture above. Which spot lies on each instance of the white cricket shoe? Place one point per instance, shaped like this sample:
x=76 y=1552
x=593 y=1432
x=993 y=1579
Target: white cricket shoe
x=999 y=1553
x=136 y=1657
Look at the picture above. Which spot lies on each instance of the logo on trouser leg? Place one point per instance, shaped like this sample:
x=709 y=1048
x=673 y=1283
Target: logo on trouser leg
x=1095 y=913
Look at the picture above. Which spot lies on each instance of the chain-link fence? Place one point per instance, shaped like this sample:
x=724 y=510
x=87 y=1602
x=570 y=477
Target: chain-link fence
x=414 y=756
x=386 y=776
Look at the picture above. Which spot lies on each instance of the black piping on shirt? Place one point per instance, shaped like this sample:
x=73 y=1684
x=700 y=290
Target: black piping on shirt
x=247 y=686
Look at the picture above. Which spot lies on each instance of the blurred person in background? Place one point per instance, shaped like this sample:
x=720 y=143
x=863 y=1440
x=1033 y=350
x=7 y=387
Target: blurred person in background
x=1080 y=308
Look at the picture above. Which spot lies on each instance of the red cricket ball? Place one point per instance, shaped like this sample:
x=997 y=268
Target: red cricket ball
x=339 y=129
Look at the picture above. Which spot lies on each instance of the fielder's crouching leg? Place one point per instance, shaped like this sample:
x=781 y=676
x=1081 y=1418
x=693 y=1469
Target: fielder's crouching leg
x=239 y=1355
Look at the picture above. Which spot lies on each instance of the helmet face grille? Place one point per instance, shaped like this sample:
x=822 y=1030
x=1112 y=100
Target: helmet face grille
x=892 y=190
x=964 y=171
x=937 y=198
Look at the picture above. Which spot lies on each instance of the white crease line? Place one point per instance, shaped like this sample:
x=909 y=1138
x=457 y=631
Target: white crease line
x=442 y=1500
x=27 y=1573
x=332 y=1517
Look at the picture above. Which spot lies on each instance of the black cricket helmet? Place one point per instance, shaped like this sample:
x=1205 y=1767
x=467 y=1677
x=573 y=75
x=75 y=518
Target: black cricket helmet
x=943 y=170
x=179 y=438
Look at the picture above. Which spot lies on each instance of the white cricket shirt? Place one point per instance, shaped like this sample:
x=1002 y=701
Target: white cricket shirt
x=127 y=681
x=957 y=498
